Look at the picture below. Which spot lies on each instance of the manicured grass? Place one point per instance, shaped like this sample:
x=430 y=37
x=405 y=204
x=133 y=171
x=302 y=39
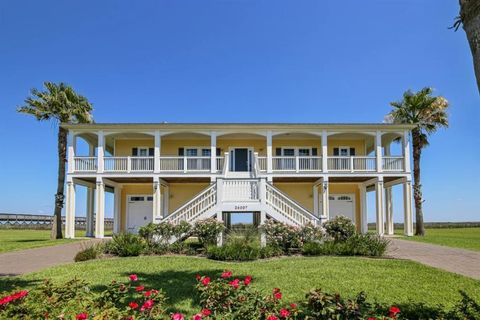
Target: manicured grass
x=466 y=238
x=384 y=280
x=19 y=239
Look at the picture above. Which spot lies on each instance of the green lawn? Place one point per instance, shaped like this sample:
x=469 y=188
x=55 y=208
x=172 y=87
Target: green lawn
x=384 y=280
x=466 y=238
x=19 y=239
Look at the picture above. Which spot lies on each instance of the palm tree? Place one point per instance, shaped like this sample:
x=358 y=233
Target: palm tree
x=60 y=103
x=427 y=113
x=470 y=19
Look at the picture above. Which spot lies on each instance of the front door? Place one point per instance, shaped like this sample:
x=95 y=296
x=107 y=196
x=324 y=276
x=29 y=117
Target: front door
x=241 y=159
x=139 y=212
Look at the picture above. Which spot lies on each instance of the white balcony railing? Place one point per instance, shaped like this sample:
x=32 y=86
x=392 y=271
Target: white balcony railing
x=297 y=164
x=352 y=164
x=85 y=164
x=220 y=162
x=393 y=164
x=240 y=190
x=128 y=164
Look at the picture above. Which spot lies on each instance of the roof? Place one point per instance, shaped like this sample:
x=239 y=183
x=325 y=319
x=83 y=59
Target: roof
x=235 y=125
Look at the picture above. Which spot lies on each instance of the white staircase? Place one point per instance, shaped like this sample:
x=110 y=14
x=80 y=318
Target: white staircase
x=249 y=195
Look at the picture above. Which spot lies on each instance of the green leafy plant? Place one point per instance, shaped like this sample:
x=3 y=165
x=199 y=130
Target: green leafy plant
x=88 y=253
x=339 y=228
x=356 y=245
x=125 y=245
x=208 y=230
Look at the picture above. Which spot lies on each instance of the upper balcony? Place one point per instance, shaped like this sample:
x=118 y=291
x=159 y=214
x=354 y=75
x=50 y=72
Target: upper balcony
x=279 y=152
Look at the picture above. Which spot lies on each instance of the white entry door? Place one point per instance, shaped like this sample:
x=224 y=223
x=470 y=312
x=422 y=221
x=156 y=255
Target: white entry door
x=342 y=205
x=139 y=211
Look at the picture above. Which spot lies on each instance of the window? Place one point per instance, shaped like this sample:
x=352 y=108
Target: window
x=344 y=198
x=191 y=152
x=303 y=152
x=344 y=151
x=206 y=152
x=137 y=198
x=149 y=198
x=290 y=152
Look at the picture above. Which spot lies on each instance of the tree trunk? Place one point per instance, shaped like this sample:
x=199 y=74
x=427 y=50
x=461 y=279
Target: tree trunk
x=470 y=16
x=417 y=186
x=59 y=196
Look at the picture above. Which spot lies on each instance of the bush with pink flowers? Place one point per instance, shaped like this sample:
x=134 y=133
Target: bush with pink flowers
x=227 y=297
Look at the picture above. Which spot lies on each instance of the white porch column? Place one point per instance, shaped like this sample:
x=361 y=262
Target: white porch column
x=324 y=151
x=157 y=200
x=117 y=204
x=388 y=210
x=406 y=150
x=156 y=151
x=100 y=151
x=90 y=212
x=70 y=210
x=213 y=152
x=378 y=150
x=220 y=236
x=379 y=206
x=363 y=207
x=269 y=152
x=165 y=198
x=325 y=201
x=100 y=209
x=71 y=146
x=407 y=207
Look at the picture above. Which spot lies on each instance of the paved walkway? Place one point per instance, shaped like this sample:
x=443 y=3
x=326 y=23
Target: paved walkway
x=464 y=262
x=25 y=261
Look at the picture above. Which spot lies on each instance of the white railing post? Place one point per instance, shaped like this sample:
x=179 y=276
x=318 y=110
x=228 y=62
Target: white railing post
x=156 y=152
x=219 y=191
x=406 y=150
x=71 y=152
x=324 y=151
x=297 y=164
x=351 y=164
x=100 y=151
x=325 y=200
x=213 y=152
x=262 y=192
x=129 y=164
x=226 y=163
x=378 y=150
x=269 y=152
x=185 y=163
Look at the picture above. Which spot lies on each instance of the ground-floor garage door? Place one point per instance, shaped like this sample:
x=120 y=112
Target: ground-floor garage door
x=342 y=205
x=139 y=211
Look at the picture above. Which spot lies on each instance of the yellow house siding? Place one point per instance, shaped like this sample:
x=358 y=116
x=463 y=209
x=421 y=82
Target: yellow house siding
x=258 y=145
x=300 y=192
x=359 y=146
x=183 y=192
x=123 y=147
x=170 y=147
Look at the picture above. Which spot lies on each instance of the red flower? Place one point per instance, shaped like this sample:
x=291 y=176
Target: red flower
x=133 y=305
x=13 y=297
x=394 y=310
x=372 y=318
x=206 y=312
x=284 y=313
x=277 y=294
x=198 y=277
x=234 y=283
x=293 y=305
x=81 y=316
x=133 y=277
x=198 y=316
x=139 y=288
x=147 y=305
x=226 y=274
x=205 y=281
x=247 y=280
x=178 y=316
x=272 y=317
x=147 y=293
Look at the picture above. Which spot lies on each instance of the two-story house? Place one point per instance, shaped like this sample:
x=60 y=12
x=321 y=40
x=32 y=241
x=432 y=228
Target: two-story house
x=291 y=172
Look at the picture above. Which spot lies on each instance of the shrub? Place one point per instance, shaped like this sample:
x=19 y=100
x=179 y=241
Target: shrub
x=88 y=253
x=357 y=245
x=282 y=235
x=270 y=251
x=208 y=231
x=238 y=247
x=125 y=245
x=339 y=228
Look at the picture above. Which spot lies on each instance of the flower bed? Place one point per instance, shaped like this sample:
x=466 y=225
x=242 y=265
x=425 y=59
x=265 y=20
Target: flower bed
x=225 y=297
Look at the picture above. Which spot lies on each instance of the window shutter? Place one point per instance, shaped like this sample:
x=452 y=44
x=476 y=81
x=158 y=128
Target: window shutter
x=314 y=152
x=219 y=152
x=151 y=152
x=352 y=151
x=278 y=152
x=134 y=152
x=181 y=152
x=336 y=152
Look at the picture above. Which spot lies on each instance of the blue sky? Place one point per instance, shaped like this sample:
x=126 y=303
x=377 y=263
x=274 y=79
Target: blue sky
x=234 y=61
